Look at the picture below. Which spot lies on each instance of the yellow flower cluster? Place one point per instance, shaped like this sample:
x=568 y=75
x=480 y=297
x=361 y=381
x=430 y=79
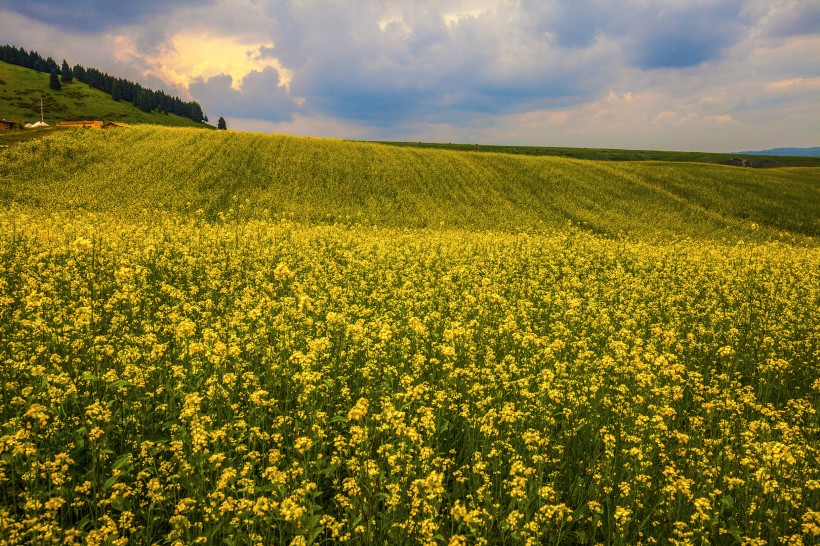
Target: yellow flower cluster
x=171 y=380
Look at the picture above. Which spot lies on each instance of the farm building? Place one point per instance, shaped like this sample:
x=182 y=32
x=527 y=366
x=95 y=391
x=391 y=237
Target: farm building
x=86 y=124
x=7 y=125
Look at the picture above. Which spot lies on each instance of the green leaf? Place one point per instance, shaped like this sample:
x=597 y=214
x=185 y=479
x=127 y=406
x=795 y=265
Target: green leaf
x=120 y=504
x=123 y=462
x=315 y=533
x=311 y=521
x=110 y=481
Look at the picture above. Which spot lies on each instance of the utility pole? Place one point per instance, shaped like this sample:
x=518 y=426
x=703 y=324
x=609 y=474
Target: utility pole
x=41 y=110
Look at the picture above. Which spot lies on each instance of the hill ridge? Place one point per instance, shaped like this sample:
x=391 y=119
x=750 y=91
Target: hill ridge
x=336 y=181
x=789 y=152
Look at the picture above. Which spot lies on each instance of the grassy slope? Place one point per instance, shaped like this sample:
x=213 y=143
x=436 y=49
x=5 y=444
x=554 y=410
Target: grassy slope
x=623 y=155
x=359 y=183
x=21 y=89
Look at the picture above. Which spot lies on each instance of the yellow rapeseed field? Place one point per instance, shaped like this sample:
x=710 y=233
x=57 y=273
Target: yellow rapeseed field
x=180 y=377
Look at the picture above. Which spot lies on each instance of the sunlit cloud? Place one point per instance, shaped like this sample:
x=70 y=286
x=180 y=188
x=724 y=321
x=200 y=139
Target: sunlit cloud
x=794 y=83
x=189 y=56
x=455 y=17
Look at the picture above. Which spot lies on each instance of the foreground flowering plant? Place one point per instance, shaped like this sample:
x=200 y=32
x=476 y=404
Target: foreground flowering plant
x=171 y=380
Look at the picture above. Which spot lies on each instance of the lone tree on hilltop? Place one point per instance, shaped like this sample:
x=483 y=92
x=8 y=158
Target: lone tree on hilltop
x=54 y=82
x=221 y=123
x=65 y=71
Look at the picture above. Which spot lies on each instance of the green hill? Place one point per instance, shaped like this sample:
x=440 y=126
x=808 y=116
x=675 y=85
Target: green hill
x=753 y=159
x=334 y=181
x=22 y=88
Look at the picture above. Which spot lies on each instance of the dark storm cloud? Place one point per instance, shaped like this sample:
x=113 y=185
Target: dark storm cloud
x=796 y=19
x=93 y=15
x=652 y=35
x=381 y=66
x=573 y=23
x=364 y=61
x=260 y=96
x=685 y=36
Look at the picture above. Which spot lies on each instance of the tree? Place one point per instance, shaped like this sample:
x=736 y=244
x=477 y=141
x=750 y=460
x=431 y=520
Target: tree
x=116 y=91
x=51 y=64
x=79 y=73
x=221 y=123
x=143 y=101
x=54 y=83
x=65 y=71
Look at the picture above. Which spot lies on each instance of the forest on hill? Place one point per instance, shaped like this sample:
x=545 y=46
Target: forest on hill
x=144 y=98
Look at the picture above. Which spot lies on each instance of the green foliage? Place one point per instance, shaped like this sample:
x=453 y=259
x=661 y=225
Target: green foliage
x=221 y=123
x=20 y=99
x=116 y=91
x=54 y=81
x=104 y=82
x=65 y=73
x=143 y=101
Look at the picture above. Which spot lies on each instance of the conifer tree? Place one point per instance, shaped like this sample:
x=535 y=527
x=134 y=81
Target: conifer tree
x=65 y=71
x=221 y=123
x=54 y=82
x=116 y=90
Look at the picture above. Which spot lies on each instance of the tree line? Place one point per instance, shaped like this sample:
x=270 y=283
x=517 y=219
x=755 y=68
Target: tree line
x=143 y=98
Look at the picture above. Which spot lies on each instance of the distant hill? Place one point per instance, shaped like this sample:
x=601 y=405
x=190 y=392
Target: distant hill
x=22 y=88
x=792 y=152
x=611 y=154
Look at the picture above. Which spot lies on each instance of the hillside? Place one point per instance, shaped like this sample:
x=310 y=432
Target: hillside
x=333 y=181
x=21 y=90
x=764 y=159
x=802 y=152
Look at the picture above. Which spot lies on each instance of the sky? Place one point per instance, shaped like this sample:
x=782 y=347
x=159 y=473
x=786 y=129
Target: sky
x=708 y=75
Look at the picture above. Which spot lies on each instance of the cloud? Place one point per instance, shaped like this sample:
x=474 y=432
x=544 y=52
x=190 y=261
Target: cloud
x=684 y=36
x=794 y=84
x=399 y=63
x=259 y=95
x=793 y=18
x=572 y=23
x=677 y=73
x=188 y=55
x=94 y=15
